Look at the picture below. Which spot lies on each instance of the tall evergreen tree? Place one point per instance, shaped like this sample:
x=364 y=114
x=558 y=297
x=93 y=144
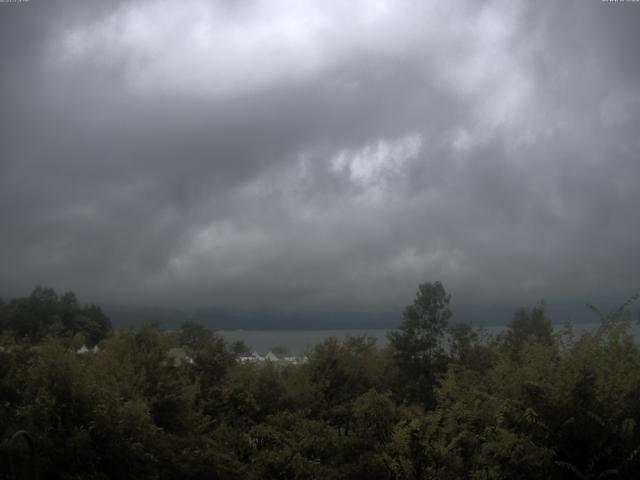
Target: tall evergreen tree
x=418 y=345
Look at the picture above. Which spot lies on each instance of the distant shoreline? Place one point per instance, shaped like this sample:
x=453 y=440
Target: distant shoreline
x=296 y=341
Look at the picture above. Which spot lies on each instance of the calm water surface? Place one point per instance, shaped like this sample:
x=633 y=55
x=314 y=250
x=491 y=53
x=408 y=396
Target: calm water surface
x=297 y=341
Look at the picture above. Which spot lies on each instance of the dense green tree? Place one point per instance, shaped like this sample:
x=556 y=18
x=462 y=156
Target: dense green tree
x=468 y=348
x=289 y=445
x=43 y=313
x=91 y=321
x=419 y=344
x=194 y=336
x=527 y=326
x=208 y=359
x=438 y=403
x=239 y=346
x=251 y=394
x=338 y=373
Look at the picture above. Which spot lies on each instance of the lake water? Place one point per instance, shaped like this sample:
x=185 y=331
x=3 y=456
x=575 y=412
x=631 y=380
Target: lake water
x=297 y=341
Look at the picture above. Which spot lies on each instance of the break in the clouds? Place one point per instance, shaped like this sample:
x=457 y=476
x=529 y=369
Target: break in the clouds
x=315 y=154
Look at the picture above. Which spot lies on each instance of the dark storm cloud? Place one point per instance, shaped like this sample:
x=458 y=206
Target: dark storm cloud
x=309 y=154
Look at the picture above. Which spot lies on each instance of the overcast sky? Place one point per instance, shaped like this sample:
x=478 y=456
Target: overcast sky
x=286 y=152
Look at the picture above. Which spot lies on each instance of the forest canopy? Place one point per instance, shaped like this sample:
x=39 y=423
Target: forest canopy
x=441 y=401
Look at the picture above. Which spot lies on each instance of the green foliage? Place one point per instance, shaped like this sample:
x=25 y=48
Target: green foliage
x=194 y=336
x=44 y=313
x=527 y=326
x=239 y=346
x=440 y=402
x=418 y=346
x=468 y=348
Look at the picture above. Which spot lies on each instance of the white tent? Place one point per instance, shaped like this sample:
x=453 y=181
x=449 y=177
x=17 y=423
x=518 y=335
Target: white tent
x=258 y=357
x=272 y=357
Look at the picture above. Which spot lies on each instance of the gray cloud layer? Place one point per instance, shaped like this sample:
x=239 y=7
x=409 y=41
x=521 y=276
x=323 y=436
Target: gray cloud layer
x=265 y=153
